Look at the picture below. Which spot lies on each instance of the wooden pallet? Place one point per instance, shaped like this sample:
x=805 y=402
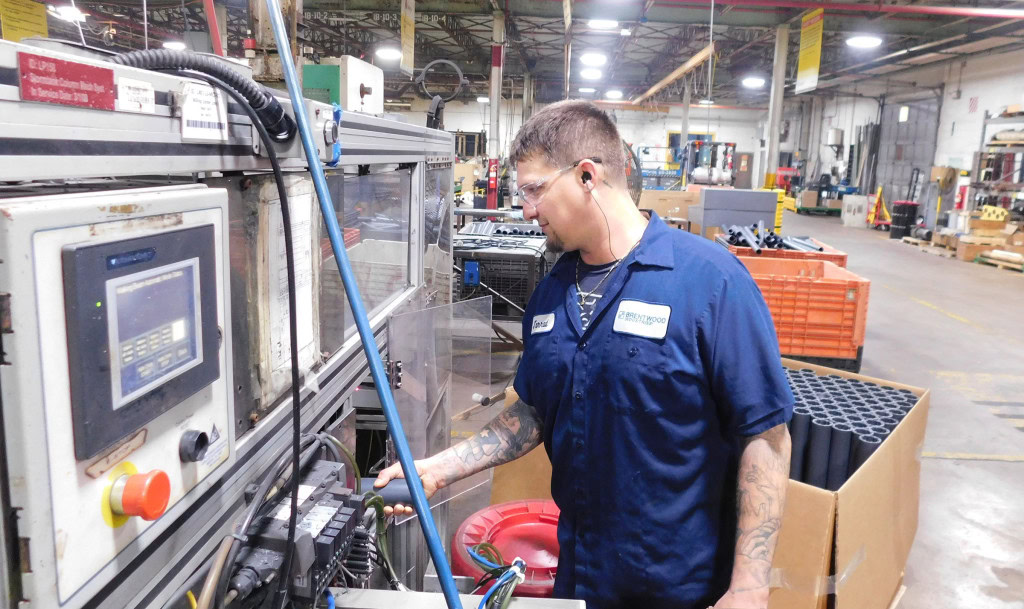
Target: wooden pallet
x=916 y=241
x=819 y=211
x=942 y=252
x=1010 y=266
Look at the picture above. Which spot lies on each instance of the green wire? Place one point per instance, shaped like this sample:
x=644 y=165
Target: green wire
x=351 y=460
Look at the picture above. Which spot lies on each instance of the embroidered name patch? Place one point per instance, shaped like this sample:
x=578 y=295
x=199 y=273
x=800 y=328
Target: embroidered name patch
x=543 y=323
x=642 y=319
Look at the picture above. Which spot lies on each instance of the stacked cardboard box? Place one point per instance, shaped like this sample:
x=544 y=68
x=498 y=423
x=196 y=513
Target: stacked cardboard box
x=971 y=236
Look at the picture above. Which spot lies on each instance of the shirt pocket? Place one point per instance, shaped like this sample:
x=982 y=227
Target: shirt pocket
x=633 y=373
x=545 y=371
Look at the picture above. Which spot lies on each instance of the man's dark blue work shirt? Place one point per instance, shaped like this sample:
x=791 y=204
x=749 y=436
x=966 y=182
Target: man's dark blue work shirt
x=644 y=414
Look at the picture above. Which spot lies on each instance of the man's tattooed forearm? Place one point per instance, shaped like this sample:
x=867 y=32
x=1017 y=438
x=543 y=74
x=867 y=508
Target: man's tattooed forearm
x=761 y=495
x=512 y=434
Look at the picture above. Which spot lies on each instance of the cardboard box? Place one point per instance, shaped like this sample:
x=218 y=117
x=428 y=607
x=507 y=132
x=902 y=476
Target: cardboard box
x=851 y=544
x=468 y=173
x=833 y=203
x=976 y=224
x=968 y=250
x=669 y=203
x=809 y=198
x=1014 y=234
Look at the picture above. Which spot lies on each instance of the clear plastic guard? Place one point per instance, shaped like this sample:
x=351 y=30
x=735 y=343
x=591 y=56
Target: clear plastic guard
x=445 y=352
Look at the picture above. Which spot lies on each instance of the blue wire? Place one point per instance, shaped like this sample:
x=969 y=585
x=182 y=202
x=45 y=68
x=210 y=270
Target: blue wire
x=330 y=599
x=482 y=560
x=380 y=379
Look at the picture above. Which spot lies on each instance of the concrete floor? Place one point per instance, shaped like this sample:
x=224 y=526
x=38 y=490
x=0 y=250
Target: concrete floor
x=956 y=328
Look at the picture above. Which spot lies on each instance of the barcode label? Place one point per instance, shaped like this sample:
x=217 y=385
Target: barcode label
x=204 y=124
x=204 y=115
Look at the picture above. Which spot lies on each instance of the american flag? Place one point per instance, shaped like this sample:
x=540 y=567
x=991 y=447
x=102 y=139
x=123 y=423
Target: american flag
x=972 y=105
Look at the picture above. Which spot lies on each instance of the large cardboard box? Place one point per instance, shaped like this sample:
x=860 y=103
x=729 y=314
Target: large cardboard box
x=833 y=203
x=809 y=198
x=846 y=547
x=467 y=173
x=669 y=203
x=853 y=543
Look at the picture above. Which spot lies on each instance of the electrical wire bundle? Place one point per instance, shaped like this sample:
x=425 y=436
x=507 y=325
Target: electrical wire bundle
x=504 y=577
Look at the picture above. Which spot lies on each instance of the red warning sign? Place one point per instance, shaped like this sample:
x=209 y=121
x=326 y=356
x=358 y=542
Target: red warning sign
x=55 y=81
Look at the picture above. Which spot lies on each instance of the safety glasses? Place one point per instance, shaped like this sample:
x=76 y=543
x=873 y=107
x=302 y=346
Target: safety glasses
x=532 y=194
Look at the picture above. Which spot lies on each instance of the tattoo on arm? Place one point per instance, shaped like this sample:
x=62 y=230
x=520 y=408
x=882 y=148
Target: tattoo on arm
x=761 y=498
x=512 y=434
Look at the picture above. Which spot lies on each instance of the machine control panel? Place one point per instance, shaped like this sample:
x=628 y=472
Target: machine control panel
x=142 y=330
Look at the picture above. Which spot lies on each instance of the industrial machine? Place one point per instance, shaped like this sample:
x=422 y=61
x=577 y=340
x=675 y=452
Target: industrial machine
x=710 y=162
x=145 y=372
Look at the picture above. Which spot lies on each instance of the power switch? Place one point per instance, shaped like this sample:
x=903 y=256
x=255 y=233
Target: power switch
x=145 y=495
x=193 y=445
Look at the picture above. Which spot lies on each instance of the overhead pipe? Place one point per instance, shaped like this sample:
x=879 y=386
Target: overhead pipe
x=868 y=7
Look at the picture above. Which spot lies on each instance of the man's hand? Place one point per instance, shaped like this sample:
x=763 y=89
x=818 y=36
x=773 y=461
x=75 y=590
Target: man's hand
x=744 y=599
x=429 y=475
x=512 y=434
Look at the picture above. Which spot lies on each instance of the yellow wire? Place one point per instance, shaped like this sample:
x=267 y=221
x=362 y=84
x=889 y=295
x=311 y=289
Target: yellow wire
x=191 y=599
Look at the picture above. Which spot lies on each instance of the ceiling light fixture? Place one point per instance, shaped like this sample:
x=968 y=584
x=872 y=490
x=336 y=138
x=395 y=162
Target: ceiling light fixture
x=863 y=41
x=613 y=94
x=174 y=45
x=389 y=53
x=69 y=13
x=706 y=102
x=603 y=24
x=593 y=58
x=483 y=100
x=625 y=32
x=753 y=82
x=590 y=73
x=587 y=90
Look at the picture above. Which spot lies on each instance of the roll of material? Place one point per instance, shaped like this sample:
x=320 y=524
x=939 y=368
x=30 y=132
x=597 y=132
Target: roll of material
x=800 y=428
x=838 y=455
x=816 y=459
x=863 y=447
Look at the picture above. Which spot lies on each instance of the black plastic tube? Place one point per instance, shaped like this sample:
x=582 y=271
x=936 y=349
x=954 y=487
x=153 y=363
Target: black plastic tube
x=800 y=428
x=838 y=455
x=863 y=447
x=816 y=460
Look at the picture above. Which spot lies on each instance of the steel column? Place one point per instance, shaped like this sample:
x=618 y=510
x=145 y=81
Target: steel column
x=775 y=101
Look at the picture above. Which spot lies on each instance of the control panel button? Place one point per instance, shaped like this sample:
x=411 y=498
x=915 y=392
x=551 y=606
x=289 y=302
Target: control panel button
x=193 y=446
x=145 y=495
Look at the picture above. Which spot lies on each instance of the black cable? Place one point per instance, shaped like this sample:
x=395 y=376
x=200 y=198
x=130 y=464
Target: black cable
x=268 y=146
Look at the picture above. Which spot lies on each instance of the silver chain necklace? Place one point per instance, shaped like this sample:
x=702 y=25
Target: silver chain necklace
x=583 y=296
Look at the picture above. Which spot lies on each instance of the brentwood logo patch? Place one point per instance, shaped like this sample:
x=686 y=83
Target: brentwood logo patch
x=543 y=323
x=642 y=319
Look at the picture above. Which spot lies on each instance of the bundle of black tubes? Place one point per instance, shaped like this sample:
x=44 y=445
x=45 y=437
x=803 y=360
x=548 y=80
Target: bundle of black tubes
x=756 y=237
x=838 y=423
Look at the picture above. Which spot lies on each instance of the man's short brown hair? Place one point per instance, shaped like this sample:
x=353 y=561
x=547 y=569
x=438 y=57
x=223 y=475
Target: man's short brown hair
x=568 y=131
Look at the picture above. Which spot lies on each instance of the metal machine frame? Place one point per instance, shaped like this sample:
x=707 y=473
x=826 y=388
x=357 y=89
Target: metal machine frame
x=77 y=147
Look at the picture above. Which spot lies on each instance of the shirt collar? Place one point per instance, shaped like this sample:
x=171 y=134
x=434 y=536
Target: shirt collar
x=655 y=248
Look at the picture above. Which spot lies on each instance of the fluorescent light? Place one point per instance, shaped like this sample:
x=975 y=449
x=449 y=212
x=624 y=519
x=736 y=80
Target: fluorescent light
x=706 y=102
x=625 y=32
x=587 y=90
x=174 y=45
x=69 y=13
x=590 y=73
x=603 y=24
x=753 y=82
x=863 y=41
x=613 y=94
x=389 y=53
x=483 y=100
x=593 y=58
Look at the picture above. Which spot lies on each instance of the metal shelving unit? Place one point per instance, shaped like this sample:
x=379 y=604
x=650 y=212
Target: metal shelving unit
x=991 y=156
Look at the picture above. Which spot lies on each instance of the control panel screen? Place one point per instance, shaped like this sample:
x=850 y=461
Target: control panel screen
x=154 y=327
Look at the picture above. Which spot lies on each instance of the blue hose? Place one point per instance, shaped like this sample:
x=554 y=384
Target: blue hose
x=380 y=380
x=330 y=599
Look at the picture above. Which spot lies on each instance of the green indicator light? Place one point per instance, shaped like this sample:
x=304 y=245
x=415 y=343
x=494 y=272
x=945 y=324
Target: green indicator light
x=98 y=304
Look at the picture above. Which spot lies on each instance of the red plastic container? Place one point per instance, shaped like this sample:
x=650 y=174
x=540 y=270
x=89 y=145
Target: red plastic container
x=819 y=309
x=527 y=529
x=829 y=254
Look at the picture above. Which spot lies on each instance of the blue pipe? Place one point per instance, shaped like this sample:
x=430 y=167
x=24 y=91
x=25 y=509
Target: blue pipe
x=412 y=478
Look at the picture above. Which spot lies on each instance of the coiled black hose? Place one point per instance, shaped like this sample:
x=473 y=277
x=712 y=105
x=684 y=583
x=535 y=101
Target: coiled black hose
x=279 y=125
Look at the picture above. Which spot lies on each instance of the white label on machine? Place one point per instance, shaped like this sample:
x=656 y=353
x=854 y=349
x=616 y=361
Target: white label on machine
x=642 y=319
x=204 y=113
x=317 y=519
x=135 y=96
x=301 y=217
x=285 y=511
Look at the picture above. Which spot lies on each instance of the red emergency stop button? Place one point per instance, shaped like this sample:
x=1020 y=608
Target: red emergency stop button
x=144 y=495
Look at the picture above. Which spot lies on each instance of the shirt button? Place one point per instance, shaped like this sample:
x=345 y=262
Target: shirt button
x=582 y=345
x=633 y=351
x=578 y=395
x=578 y=443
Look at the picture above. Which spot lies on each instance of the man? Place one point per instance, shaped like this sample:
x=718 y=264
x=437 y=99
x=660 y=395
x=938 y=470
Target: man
x=651 y=372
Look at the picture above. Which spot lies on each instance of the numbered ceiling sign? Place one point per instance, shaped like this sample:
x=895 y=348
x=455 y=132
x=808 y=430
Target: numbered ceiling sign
x=204 y=113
